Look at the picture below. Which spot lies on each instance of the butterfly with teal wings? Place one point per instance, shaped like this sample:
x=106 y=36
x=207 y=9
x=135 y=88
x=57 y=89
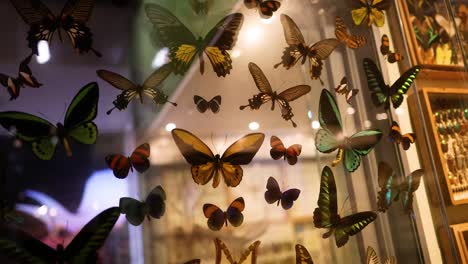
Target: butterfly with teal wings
x=43 y=136
x=330 y=136
x=136 y=211
x=326 y=214
x=184 y=46
x=23 y=248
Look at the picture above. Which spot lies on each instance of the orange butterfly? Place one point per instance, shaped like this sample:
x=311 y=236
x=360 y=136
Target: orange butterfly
x=121 y=165
x=278 y=150
x=341 y=33
x=217 y=218
x=392 y=56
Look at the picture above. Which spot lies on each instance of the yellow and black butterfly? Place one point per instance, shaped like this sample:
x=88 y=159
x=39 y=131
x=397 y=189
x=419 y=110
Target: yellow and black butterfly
x=250 y=252
x=298 y=50
x=43 y=23
x=207 y=166
x=131 y=90
x=25 y=77
x=341 y=33
x=184 y=46
x=267 y=94
x=217 y=218
x=392 y=56
x=404 y=139
x=372 y=257
x=265 y=7
x=201 y=7
x=302 y=255
x=372 y=13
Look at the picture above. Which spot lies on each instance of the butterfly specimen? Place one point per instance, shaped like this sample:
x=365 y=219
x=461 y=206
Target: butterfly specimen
x=371 y=13
x=135 y=211
x=193 y=261
x=131 y=90
x=341 y=33
x=396 y=136
x=221 y=249
x=392 y=187
x=302 y=255
x=298 y=50
x=392 y=56
x=326 y=215
x=121 y=165
x=278 y=150
x=203 y=104
x=217 y=218
x=344 y=89
x=382 y=93
x=43 y=23
x=25 y=77
x=265 y=7
x=207 y=166
x=274 y=194
x=24 y=248
x=372 y=257
x=267 y=94
x=43 y=136
x=443 y=54
x=201 y=7
x=331 y=137
x=185 y=47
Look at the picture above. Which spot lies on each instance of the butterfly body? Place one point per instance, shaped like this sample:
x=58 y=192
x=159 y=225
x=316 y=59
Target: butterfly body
x=24 y=78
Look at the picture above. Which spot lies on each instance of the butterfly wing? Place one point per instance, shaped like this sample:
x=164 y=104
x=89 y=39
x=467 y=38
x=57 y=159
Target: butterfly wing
x=277 y=150
x=273 y=192
x=371 y=256
x=326 y=214
x=302 y=255
x=292 y=153
x=330 y=122
x=251 y=252
x=341 y=33
x=402 y=85
x=119 y=164
x=157 y=77
x=13 y=85
x=351 y=225
x=385 y=45
x=25 y=74
x=360 y=144
x=116 y=80
x=288 y=198
x=133 y=209
x=267 y=8
x=295 y=92
x=260 y=79
x=407 y=139
x=324 y=48
x=292 y=33
x=395 y=133
x=342 y=87
x=379 y=90
x=139 y=157
x=202 y=104
x=216 y=217
x=387 y=191
x=155 y=202
x=214 y=104
x=193 y=261
x=409 y=186
x=360 y=11
x=234 y=212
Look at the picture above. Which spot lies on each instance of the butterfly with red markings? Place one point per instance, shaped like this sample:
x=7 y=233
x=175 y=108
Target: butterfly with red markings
x=217 y=218
x=203 y=104
x=344 y=89
x=265 y=7
x=405 y=140
x=121 y=165
x=25 y=77
x=274 y=194
x=278 y=150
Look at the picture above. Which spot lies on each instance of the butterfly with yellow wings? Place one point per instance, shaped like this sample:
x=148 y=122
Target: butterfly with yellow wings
x=341 y=33
x=372 y=257
x=207 y=166
x=302 y=255
x=250 y=252
x=184 y=47
x=372 y=12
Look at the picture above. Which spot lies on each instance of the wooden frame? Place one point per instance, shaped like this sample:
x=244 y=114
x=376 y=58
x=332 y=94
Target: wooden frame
x=460 y=233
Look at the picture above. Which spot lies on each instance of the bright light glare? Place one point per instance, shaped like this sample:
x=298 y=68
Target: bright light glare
x=315 y=124
x=235 y=53
x=160 y=58
x=309 y=114
x=350 y=110
x=367 y=124
x=42 y=210
x=254 y=125
x=399 y=111
x=44 y=52
x=381 y=116
x=53 y=212
x=267 y=21
x=253 y=34
x=170 y=127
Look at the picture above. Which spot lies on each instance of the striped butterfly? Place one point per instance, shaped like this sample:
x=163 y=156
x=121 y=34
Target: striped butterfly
x=372 y=258
x=345 y=90
x=153 y=206
x=404 y=139
x=391 y=56
x=302 y=255
x=121 y=165
x=249 y=256
x=371 y=13
x=341 y=33
x=25 y=77
x=217 y=218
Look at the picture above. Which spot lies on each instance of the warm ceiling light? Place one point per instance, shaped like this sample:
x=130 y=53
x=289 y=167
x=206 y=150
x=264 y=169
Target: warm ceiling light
x=315 y=124
x=170 y=127
x=350 y=110
x=254 y=125
x=160 y=58
x=44 y=52
x=235 y=53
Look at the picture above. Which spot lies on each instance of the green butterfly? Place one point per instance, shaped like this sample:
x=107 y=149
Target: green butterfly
x=23 y=248
x=331 y=137
x=43 y=136
x=382 y=93
x=326 y=215
x=135 y=211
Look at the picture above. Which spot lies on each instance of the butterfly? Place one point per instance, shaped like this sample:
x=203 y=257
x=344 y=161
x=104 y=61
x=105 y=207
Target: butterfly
x=278 y=150
x=193 y=261
x=43 y=136
x=382 y=93
x=265 y=7
x=302 y=255
x=207 y=166
x=298 y=50
x=341 y=33
x=392 y=187
x=330 y=136
x=267 y=94
x=23 y=248
x=121 y=165
x=344 y=89
x=396 y=136
x=25 y=77
x=184 y=47
x=326 y=215
x=203 y=105
x=371 y=13
x=274 y=194
x=43 y=23
x=201 y=7
x=443 y=54
x=135 y=211
x=131 y=90
x=372 y=257
x=221 y=249
x=392 y=57
x=217 y=218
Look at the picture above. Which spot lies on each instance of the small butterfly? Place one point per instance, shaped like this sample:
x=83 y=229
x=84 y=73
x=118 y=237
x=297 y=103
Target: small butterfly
x=392 y=187
x=341 y=33
x=343 y=88
x=302 y=255
x=43 y=136
x=207 y=166
x=443 y=54
x=265 y=7
x=298 y=50
x=135 y=211
x=278 y=150
x=217 y=218
x=25 y=77
x=248 y=256
x=274 y=194
x=131 y=90
x=184 y=47
x=203 y=105
x=43 y=23
x=382 y=93
x=326 y=214
x=201 y=7
x=330 y=136
x=392 y=56
x=267 y=94
x=121 y=165
x=396 y=136
x=371 y=13
x=372 y=257
x=23 y=248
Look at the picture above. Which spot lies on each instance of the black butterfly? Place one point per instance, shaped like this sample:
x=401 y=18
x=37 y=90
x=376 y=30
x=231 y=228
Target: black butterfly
x=265 y=7
x=203 y=105
x=43 y=23
x=201 y=7
x=25 y=77
x=274 y=194
x=396 y=136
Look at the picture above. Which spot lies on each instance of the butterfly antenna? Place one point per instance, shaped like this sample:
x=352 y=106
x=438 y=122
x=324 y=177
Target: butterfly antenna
x=213 y=144
x=97 y=53
x=242 y=107
x=110 y=110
